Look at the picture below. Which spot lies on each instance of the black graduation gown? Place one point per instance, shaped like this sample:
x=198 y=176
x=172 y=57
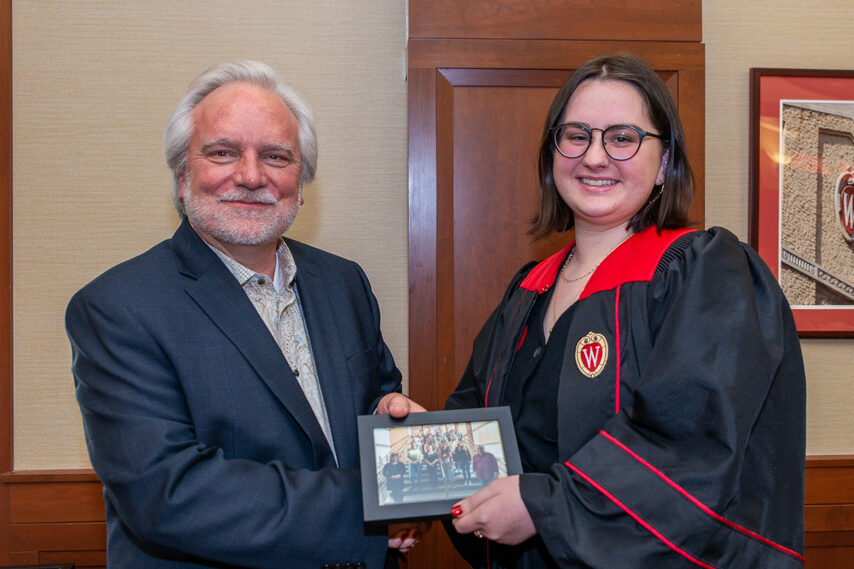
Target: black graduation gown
x=681 y=411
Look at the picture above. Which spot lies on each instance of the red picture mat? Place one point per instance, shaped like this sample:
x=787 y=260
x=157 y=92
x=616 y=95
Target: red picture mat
x=767 y=88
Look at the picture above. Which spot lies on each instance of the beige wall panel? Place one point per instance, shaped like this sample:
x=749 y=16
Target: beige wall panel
x=830 y=428
x=94 y=83
x=764 y=33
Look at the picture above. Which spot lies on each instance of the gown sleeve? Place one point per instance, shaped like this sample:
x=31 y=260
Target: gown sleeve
x=704 y=466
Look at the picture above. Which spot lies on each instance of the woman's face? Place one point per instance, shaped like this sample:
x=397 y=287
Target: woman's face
x=599 y=190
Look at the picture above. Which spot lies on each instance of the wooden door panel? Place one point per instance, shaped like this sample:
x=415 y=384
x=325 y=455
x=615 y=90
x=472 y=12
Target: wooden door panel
x=495 y=195
x=559 y=19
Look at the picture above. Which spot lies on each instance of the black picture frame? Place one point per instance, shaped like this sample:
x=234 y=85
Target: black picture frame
x=490 y=428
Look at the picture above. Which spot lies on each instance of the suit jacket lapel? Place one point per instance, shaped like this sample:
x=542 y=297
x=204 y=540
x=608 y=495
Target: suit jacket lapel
x=332 y=370
x=220 y=296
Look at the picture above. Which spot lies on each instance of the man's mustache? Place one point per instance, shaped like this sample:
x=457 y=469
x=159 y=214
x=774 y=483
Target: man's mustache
x=254 y=196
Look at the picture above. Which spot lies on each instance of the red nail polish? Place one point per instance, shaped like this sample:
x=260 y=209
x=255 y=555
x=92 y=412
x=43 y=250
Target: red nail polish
x=457 y=511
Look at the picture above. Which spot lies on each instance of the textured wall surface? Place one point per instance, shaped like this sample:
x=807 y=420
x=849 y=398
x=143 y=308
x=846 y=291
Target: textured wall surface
x=787 y=34
x=94 y=83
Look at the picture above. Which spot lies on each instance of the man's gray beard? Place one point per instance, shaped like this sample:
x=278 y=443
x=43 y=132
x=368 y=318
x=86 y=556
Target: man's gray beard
x=231 y=227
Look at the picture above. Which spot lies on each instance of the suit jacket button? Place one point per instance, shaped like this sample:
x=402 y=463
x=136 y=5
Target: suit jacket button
x=326 y=566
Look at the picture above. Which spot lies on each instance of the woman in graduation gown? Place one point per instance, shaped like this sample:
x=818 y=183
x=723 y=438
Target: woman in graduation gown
x=653 y=372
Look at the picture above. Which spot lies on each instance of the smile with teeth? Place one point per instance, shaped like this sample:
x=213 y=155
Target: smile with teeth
x=592 y=182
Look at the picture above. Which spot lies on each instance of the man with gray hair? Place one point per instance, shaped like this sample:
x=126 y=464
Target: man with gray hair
x=220 y=373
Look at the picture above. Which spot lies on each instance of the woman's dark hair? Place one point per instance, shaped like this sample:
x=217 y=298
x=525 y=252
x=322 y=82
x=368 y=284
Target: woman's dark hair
x=667 y=206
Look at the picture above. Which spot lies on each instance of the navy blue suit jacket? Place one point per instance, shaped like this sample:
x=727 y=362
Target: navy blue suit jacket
x=209 y=452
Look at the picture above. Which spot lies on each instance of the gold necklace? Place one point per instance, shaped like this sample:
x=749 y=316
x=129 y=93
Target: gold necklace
x=588 y=273
x=565 y=263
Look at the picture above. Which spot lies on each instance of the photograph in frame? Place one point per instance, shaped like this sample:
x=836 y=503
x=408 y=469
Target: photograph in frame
x=418 y=467
x=802 y=178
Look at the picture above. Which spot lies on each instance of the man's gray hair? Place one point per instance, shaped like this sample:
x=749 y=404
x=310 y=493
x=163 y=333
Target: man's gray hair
x=179 y=129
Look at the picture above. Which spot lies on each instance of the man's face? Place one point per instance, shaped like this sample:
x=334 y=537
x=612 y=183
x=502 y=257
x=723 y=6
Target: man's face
x=243 y=167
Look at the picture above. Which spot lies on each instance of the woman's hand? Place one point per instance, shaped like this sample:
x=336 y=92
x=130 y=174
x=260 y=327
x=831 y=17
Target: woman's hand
x=497 y=511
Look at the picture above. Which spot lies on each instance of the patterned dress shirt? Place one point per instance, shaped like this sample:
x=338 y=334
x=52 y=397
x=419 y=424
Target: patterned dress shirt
x=278 y=304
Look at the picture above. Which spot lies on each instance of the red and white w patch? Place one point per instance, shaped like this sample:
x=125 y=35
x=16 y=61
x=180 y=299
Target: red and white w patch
x=591 y=354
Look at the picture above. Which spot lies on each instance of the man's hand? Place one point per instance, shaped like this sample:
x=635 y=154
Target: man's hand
x=403 y=537
x=398 y=406
x=495 y=512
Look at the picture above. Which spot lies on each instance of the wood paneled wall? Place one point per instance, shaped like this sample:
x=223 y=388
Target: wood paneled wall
x=5 y=265
x=829 y=512
x=55 y=517
x=58 y=517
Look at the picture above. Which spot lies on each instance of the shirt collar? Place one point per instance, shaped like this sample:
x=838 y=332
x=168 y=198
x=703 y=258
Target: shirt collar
x=285 y=271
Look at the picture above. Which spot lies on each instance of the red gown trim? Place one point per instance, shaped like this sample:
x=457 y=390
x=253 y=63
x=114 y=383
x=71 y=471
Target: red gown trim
x=634 y=260
x=639 y=519
x=698 y=503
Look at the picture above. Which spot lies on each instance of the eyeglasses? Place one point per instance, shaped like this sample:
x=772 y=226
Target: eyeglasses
x=621 y=141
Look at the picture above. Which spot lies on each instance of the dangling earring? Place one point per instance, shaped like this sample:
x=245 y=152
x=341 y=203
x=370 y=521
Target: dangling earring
x=651 y=202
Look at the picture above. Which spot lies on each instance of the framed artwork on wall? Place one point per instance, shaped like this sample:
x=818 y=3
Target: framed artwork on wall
x=802 y=191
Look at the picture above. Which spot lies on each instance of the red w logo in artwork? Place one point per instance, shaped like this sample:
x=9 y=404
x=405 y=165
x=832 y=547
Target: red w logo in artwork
x=591 y=355
x=846 y=208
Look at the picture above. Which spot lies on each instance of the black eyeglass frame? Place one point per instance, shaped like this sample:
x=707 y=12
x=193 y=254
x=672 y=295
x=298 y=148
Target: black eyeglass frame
x=642 y=133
